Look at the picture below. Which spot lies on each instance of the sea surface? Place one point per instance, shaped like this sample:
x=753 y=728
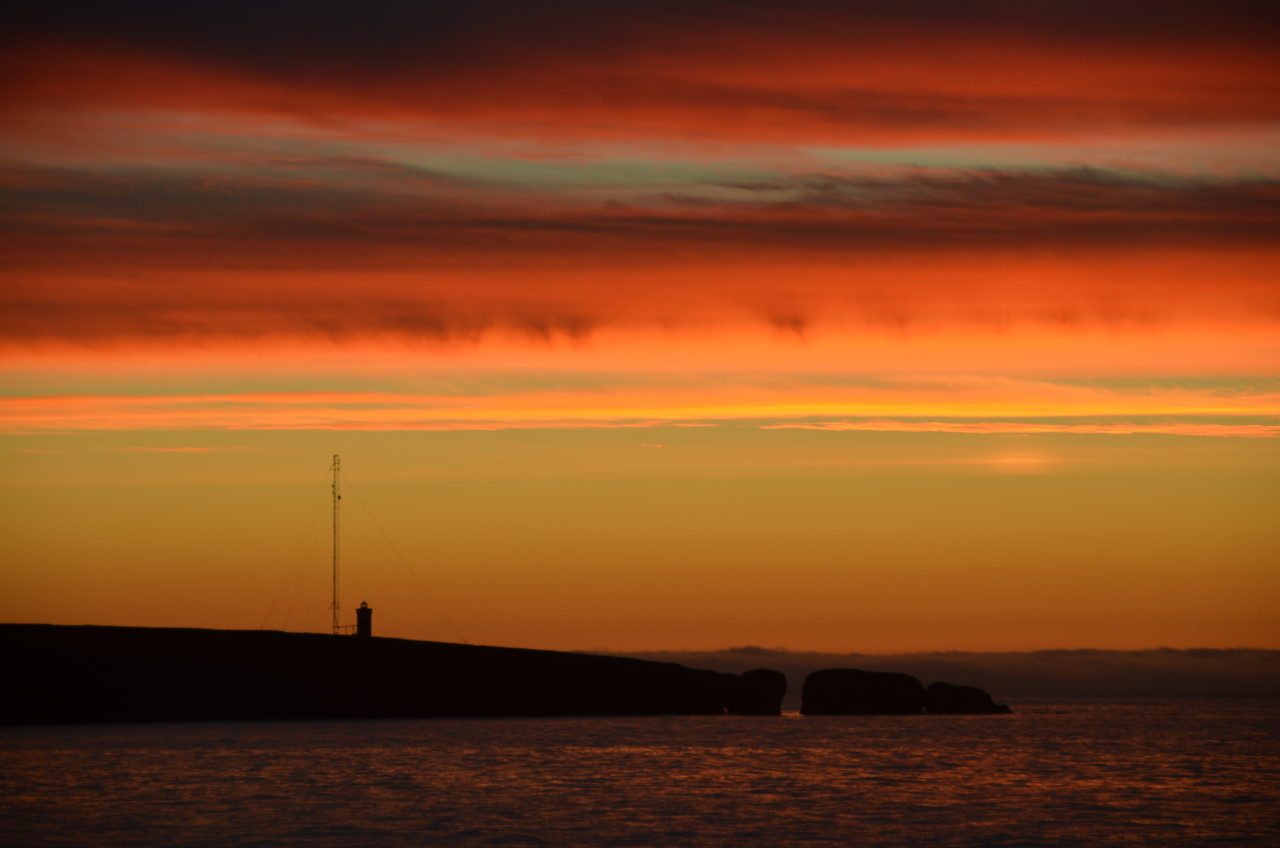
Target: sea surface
x=1160 y=772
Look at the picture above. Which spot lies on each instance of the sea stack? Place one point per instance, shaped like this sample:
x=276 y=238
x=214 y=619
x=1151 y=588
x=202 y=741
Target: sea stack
x=949 y=699
x=757 y=692
x=851 y=691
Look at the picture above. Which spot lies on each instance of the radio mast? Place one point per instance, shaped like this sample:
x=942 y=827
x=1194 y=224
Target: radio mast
x=337 y=498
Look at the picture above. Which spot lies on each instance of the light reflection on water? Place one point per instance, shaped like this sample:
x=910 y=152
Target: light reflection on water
x=1160 y=772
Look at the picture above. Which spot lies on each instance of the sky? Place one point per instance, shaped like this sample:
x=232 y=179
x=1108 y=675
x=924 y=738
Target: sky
x=649 y=326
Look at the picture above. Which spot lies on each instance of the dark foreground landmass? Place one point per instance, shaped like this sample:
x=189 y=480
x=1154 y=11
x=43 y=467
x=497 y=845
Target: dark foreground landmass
x=72 y=674
x=57 y=674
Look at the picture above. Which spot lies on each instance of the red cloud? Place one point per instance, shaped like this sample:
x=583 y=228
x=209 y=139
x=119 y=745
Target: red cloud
x=811 y=73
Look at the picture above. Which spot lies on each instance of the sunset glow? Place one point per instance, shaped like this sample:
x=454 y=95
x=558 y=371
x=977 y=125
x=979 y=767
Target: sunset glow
x=650 y=326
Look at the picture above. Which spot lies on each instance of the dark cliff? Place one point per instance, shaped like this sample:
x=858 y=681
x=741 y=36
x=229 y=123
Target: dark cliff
x=60 y=674
x=852 y=691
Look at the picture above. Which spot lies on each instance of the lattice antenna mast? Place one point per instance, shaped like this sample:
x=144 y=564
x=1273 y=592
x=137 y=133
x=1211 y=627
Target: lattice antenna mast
x=337 y=499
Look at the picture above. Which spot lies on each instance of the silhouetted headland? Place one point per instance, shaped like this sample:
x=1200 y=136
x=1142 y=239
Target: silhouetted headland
x=81 y=674
x=74 y=674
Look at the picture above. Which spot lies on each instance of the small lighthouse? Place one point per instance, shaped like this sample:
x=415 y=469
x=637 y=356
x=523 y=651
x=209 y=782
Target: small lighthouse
x=364 y=620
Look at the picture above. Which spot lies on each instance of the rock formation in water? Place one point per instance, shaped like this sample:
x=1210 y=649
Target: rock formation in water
x=60 y=674
x=851 y=691
x=949 y=699
x=757 y=692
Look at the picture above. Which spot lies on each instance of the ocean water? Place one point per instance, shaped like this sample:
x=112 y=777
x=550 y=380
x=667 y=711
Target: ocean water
x=1168 y=772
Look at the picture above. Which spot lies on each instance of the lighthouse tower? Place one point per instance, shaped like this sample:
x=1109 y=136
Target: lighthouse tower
x=364 y=621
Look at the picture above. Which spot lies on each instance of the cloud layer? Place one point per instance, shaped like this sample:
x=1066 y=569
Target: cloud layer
x=814 y=70
x=975 y=405
x=427 y=172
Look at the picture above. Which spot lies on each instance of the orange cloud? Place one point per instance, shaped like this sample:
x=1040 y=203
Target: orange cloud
x=1170 y=428
x=982 y=401
x=119 y=304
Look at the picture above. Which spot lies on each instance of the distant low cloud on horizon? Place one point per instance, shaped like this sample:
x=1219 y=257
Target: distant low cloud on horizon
x=1159 y=672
